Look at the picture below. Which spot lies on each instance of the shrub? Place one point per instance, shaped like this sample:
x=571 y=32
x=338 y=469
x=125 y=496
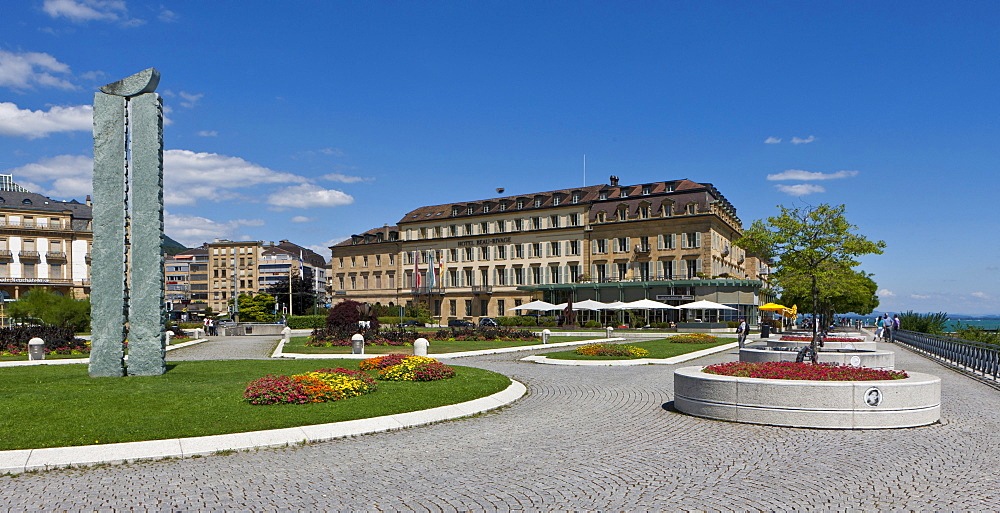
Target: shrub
x=924 y=323
x=343 y=316
x=592 y=324
x=693 y=338
x=802 y=371
x=305 y=322
x=14 y=341
x=612 y=350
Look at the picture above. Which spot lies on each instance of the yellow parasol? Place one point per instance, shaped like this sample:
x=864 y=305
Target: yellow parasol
x=772 y=307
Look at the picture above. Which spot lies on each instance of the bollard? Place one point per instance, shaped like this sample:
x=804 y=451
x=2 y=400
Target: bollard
x=199 y=333
x=286 y=334
x=608 y=331
x=36 y=349
x=420 y=347
x=545 y=336
x=168 y=335
x=358 y=344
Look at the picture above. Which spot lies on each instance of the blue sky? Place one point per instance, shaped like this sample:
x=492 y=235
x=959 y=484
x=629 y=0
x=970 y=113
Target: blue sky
x=311 y=121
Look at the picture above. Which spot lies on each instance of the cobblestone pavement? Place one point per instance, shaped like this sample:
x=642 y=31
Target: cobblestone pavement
x=584 y=438
x=227 y=348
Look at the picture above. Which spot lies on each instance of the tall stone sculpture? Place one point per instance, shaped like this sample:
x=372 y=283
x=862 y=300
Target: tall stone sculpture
x=127 y=259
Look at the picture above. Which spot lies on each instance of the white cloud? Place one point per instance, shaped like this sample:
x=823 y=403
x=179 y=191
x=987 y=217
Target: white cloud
x=302 y=219
x=189 y=100
x=772 y=140
x=168 y=16
x=324 y=247
x=981 y=295
x=308 y=195
x=799 y=140
x=187 y=176
x=36 y=123
x=80 y=11
x=25 y=70
x=335 y=152
x=918 y=296
x=798 y=174
x=342 y=178
x=885 y=293
x=208 y=133
x=194 y=230
x=801 y=189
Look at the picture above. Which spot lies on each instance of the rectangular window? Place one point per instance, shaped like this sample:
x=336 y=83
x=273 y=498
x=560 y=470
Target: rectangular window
x=622 y=245
x=555 y=201
x=692 y=240
x=518 y=276
x=55 y=271
x=484 y=227
x=574 y=273
x=501 y=252
x=554 y=274
x=470 y=254
x=452 y=307
x=378 y=260
x=601 y=272
x=623 y=193
x=574 y=247
x=392 y=281
x=536 y=275
x=538 y=202
x=518 y=251
x=602 y=246
x=392 y=259
x=603 y=195
x=554 y=248
x=518 y=225
x=536 y=250
x=574 y=219
x=554 y=221
x=576 y=198
x=453 y=255
x=647 y=189
x=501 y=226
x=536 y=223
x=622 y=271
x=520 y=204
x=484 y=253
x=468 y=307
x=500 y=307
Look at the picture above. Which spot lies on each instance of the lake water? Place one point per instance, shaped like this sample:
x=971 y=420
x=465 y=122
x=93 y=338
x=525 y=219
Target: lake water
x=986 y=324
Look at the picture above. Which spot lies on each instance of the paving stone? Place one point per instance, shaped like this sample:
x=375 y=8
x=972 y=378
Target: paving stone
x=583 y=438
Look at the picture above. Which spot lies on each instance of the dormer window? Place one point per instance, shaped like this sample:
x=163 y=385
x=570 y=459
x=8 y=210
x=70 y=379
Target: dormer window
x=622 y=213
x=602 y=217
x=538 y=202
x=575 y=198
x=502 y=207
x=555 y=201
x=647 y=190
x=469 y=210
x=486 y=209
x=603 y=195
x=454 y=211
x=623 y=193
x=670 y=188
x=520 y=204
x=691 y=208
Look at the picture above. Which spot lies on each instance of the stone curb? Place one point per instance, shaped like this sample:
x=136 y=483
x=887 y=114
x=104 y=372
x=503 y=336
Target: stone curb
x=66 y=361
x=23 y=460
x=279 y=354
x=673 y=360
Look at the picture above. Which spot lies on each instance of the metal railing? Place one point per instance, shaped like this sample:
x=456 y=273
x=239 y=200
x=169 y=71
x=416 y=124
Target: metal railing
x=976 y=358
x=482 y=289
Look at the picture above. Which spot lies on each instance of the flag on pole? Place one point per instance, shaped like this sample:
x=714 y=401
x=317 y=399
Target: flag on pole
x=416 y=269
x=431 y=281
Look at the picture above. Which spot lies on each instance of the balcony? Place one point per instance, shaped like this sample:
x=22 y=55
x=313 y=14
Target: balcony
x=55 y=255
x=6 y=254
x=424 y=291
x=28 y=255
x=642 y=249
x=482 y=289
x=35 y=225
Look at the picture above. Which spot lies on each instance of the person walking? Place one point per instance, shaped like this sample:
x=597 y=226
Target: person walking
x=886 y=328
x=895 y=326
x=741 y=332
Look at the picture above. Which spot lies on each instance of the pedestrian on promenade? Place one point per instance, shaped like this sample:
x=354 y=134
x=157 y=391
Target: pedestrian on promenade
x=895 y=325
x=886 y=328
x=741 y=332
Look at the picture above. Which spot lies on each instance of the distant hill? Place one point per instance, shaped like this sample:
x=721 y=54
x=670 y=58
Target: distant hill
x=172 y=247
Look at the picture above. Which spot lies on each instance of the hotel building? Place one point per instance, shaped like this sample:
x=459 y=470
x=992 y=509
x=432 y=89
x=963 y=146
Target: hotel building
x=43 y=243
x=670 y=241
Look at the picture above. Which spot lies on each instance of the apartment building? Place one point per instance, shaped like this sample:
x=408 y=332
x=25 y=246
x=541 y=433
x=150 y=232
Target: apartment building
x=236 y=267
x=43 y=243
x=671 y=241
x=187 y=284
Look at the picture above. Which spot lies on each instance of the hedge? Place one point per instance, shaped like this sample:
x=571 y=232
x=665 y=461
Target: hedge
x=306 y=322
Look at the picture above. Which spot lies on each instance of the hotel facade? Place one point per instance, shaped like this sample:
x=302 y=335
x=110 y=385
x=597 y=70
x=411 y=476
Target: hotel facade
x=670 y=241
x=43 y=243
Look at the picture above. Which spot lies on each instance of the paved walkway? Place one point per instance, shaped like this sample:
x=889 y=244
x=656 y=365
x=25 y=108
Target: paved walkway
x=227 y=348
x=584 y=438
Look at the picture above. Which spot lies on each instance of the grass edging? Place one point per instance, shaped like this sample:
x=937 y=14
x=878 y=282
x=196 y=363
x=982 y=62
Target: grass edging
x=25 y=460
x=279 y=354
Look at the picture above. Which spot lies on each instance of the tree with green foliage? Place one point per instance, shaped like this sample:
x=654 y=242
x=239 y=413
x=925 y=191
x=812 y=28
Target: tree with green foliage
x=51 y=309
x=931 y=323
x=816 y=244
x=256 y=307
x=841 y=291
x=303 y=296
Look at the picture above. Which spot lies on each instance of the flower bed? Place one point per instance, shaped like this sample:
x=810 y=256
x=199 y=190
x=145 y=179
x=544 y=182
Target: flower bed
x=311 y=387
x=856 y=404
x=612 y=350
x=693 y=338
x=791 y=338
x=400 y=367
x=804 y=371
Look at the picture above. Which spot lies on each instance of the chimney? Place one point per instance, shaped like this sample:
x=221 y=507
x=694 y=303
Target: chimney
x=614 y=181
x=88 y=202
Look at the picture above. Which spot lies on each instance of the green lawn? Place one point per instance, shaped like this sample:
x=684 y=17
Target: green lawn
x=24 y=357
x=661 y=348
x=53 y=406
x=298 y=345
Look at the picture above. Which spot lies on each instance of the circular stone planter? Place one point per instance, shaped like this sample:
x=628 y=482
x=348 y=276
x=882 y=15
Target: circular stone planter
x=795 y=344
x=878 y=359
x=897 y=403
